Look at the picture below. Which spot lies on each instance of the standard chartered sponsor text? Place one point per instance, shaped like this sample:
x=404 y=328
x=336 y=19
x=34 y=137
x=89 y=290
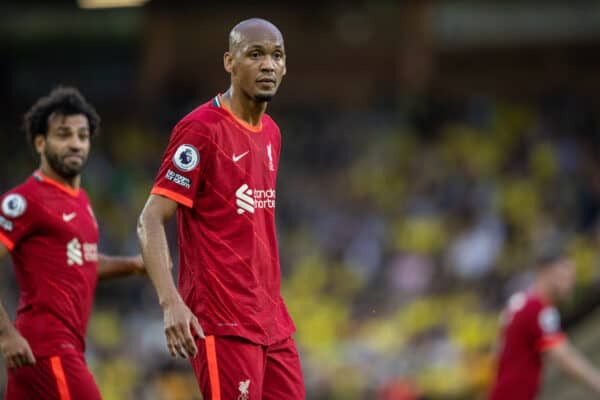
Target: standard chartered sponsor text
x=248 y=200
x=264 y=198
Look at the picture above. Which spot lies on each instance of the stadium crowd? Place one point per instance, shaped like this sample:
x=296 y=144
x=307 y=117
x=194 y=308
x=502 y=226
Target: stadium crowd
x=402 y=232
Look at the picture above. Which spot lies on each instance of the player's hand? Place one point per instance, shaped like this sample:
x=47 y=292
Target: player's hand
x=138 y=266
x=15 y=349
x=179 y=322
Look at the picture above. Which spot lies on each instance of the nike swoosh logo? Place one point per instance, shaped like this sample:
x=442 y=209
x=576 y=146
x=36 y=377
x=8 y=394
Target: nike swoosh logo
x=69 y=217
x=239 y=157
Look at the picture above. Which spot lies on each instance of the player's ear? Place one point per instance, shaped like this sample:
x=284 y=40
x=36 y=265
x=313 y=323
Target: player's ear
x=284 y=70
x=39 y=142
x=228 y=62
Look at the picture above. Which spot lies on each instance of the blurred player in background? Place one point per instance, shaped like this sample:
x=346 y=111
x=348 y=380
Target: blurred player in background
x=218 y=175
x=48 y=226
x=532 y=331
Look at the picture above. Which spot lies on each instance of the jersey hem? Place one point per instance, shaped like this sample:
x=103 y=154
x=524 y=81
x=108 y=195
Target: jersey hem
x=62 y=353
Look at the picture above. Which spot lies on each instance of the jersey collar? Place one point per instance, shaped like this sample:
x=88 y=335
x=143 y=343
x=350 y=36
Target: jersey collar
x=45 y=179
x=218 y=102
x=542 y=298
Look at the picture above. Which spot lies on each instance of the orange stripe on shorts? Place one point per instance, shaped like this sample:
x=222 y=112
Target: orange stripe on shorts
x=213 y=369
x=61 y=380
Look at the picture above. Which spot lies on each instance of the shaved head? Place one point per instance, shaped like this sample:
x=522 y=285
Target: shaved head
x=253 y=29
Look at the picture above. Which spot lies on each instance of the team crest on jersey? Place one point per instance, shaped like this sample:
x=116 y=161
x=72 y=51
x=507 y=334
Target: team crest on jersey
x=14 y=205
x=186 y=157
x=270 y=155
x=244 y=390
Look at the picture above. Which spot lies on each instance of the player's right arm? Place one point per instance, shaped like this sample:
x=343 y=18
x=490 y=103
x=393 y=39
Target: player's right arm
x=575 y=364
x=14 y=347
x=178 y=318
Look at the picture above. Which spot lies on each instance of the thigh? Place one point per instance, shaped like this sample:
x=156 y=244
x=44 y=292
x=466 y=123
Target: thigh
x=283 y=373
x=52 y=378
x=32 y=382
x=78 y=379
x=229 y=368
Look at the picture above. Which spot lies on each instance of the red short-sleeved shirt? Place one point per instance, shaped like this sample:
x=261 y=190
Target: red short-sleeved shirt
x=531 y=326
x=52 y=235
x=223 y=174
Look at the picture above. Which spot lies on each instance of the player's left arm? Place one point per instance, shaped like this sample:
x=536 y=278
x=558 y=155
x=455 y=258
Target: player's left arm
x=117 y=266
x=554 y=344
x=571 y=361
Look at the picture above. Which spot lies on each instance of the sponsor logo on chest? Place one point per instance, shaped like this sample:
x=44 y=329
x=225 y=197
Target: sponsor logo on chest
x=236 y=157
x=248 y=200
x=78 y=253
x=67 y=217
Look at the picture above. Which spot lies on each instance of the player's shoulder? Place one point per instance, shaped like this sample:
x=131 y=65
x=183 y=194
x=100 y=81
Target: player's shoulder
x=517 y=302
x=26 y=188
x=533 y=306
x=202 y=118
x=15 y=201
x=523 y=303
x=271 y=128
x=83 y=195
x=267 y=119
x=269 y=122
x=537 y=303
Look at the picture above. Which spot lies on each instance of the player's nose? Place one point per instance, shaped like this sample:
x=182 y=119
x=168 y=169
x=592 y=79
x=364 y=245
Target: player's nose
x=268 y=64
x=76 y=143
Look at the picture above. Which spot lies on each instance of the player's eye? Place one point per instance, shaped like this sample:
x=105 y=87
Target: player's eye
x=255 y=54
x=278 y=55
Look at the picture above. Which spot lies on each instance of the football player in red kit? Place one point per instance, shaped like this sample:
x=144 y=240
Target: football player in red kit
x=218 y=175
x=48 y=227
x=532 y=332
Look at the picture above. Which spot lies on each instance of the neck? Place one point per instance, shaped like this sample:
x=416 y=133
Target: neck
x=541 y=289
x=244 y=107
x=73 y=183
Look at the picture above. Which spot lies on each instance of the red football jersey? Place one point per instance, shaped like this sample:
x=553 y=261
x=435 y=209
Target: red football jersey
x=52 y=235
x=222 y=172
x=531 y=326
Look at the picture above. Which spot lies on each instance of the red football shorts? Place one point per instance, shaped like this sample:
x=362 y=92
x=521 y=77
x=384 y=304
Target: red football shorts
x=230 y=368
x=53 y=378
